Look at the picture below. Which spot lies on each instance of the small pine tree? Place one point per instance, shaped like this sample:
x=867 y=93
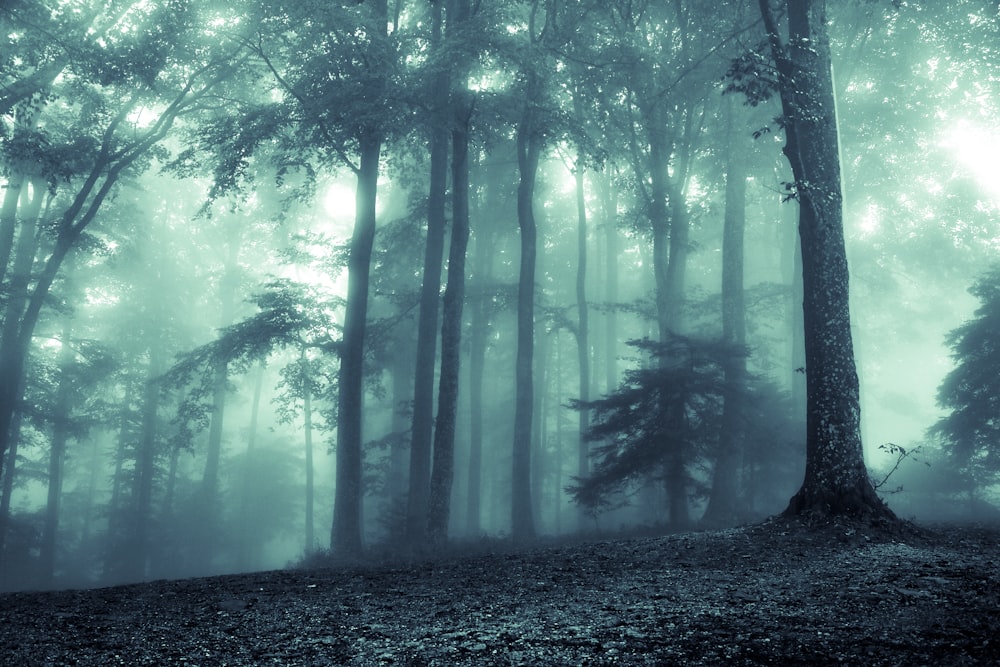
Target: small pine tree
x=971 y=433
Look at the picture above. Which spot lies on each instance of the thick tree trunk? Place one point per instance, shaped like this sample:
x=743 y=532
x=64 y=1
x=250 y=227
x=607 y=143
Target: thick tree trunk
x=430 y=294
x=836 y=480
x=345 y=534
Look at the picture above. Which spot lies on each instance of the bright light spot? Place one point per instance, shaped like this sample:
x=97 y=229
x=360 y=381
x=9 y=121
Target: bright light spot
x=871 y=220
x=339 y=204
x=978 y=150
x=141 y=117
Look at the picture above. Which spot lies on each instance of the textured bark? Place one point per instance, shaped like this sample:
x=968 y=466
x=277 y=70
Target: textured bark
x=836 y=480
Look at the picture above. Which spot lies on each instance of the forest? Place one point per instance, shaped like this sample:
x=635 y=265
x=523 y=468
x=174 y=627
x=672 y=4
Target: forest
x=286 y=281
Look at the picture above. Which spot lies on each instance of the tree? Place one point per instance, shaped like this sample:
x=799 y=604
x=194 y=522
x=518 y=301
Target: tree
x=77 y=170
x=722 y=505
x=443 y=473
x=972 y=391
x=421 y=435
x=836 y=479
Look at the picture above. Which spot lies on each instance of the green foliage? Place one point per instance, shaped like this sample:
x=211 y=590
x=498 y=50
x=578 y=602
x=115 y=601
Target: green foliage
x=972 y=390
x=753 y=74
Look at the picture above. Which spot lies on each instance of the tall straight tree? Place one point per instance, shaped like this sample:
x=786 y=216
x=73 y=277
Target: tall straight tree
x=345 y=533
x=421 y=434
x=530 y=139
x=836 y=480
x=722 y=503
x=443 y=472
x=334 y=64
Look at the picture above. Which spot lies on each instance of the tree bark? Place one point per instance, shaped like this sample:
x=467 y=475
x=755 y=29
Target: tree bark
x=836 y=480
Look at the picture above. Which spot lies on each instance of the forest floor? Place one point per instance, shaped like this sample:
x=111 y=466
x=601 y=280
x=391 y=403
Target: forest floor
x=776 y=593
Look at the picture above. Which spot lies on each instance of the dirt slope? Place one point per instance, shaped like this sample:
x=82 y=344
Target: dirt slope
x=771 y=594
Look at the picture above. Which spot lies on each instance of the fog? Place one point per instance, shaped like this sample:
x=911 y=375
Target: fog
x=186 y=198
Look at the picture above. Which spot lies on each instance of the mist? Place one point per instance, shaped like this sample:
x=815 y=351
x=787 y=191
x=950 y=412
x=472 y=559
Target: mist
x=288 y=285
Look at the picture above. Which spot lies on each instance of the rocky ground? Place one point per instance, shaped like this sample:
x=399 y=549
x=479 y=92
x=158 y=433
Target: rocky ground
x=776 y=593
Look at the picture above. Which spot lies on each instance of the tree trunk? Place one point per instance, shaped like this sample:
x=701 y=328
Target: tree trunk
x=423 y=387
x=345 y=533
x=478 y=331
x=528 y=153
x=451 y=326
x=142 y=493
x=247 y=544
x=609 y=210
x=307 y=427
x=836 y=480
x=723 y=502
x=57 y=456
x=583 y=331
x=13 y=343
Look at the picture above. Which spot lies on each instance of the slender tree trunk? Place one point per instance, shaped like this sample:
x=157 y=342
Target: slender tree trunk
x=345 y=533
x=57 y=456
x=15 y=190
x=13 y=344
x=9 y=473
x=402 y=394
x=609 y=209
x=478 y=331
x=246 y=541
x=423 y=389
x=836 y=480
x=583 y=330
x=528 y=153
x=539 y=452
x=451 y=326
x=307 y=427
x=145 y=470
x=723 y=501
